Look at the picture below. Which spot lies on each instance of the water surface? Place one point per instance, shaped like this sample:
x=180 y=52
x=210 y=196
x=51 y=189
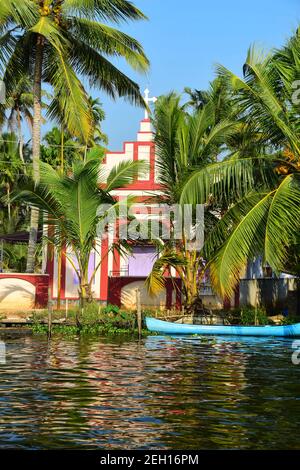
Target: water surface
x=161 y=393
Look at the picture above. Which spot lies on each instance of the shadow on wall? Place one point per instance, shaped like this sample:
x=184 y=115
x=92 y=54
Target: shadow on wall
x=16 y=294
x=128 y=296
x=275 y=294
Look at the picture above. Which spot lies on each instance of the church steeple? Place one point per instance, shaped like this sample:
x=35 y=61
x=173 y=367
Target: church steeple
x=148 y=101
x=145 y=133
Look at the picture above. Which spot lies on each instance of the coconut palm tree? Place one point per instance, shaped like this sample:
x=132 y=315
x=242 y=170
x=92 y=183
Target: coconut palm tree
x=265 y=217
x=197 y=98
x=19 y=105
x=55 y=42
x=51 y=151
x=184 y=143
x=11 y=167
x=70 y=204
x=98 y=116
x=218 y=93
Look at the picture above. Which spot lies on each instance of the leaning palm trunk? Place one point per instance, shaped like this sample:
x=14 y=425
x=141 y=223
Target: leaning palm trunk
x=8 y=201
x=21 y=140
x=36 y=142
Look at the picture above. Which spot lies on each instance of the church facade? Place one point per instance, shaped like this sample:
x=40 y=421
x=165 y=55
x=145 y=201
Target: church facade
x=118 y=276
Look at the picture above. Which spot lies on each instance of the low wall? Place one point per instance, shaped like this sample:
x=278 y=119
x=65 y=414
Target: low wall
x=121 y=291
x=276 y=295
x=23 y=291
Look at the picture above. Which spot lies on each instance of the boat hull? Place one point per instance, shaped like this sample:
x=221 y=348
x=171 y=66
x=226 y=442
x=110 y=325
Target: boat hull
x=159 y=326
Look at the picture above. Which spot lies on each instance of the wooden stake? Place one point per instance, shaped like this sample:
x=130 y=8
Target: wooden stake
x=67 y=309
x=49 y=322
x=139 y=311
x=256 y=305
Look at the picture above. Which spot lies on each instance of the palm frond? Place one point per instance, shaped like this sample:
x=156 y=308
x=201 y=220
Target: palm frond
x=110 y=41
x=113 y=10
x=155 y=282
x=47 y=28
x=24 y=13
x=228 y=179
x=7 y=45
x=124 y=173
x=227 y=223
x=70 y=101
x=245 y=242
x=283 y=221
x=102 y=73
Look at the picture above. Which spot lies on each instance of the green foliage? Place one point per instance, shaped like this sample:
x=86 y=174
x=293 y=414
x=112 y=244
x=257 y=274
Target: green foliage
x=108 y=320
x=13 y=215
x=71 y=204
x=247 y=316
x=110 y=309
x=184 y=143
x=250 y=315
x=268 y=170
x=74 y=42
x=290 y=320
x=60 y=146
x=11 y=166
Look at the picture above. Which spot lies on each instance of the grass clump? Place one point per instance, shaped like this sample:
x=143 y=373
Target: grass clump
x=95 y=320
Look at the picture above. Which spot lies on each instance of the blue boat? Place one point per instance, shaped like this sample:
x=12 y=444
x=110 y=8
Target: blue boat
x=159 y=326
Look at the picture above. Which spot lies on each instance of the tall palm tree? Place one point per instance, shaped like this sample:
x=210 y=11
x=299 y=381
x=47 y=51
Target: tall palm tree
x=70 y=204
x=51 y=151
x=55 y=42
x=19 y=105
x=184 y=143
x=197 y=98
x=265 y=217
x=11 y=167
x=218 y=93
x=98 y=116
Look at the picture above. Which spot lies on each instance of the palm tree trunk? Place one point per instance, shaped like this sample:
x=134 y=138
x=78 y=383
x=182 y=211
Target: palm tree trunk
x=8 y=201
x=59 y=266
x=62 y=141
x=21 y=141
x=193 y=303
x=36 y=149
x=59 y=259
x=85 y=293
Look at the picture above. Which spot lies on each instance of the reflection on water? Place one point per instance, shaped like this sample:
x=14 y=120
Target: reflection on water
x=163 y=393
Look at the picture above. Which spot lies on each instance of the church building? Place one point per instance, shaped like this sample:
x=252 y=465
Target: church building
x=118 y=276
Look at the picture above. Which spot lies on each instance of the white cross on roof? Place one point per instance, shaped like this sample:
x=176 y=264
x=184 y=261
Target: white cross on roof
x=148 y=101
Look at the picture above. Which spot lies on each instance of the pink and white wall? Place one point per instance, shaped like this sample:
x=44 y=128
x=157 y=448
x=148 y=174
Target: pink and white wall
x=118 y=276
x=23 y=291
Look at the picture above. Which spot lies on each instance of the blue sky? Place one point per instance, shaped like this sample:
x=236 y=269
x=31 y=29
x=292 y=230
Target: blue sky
x=184 y=39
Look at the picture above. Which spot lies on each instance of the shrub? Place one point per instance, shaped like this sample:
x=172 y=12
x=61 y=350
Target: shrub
x=110 y=309
x=248 y=316
x=289 y=320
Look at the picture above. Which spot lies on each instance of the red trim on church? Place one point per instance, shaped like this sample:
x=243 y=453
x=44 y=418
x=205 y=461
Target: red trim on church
x=104 y=270
x=112 y=282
